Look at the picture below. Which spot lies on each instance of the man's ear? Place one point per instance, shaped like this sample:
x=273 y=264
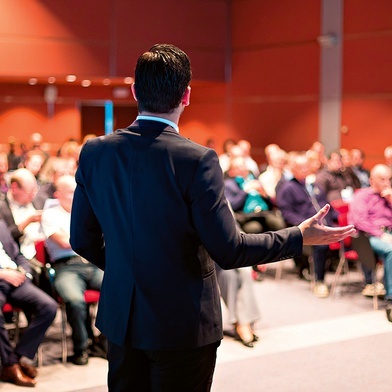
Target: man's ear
x=186 y=98
x=133 y=91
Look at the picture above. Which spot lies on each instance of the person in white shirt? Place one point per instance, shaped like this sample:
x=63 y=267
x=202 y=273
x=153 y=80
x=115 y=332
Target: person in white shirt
x=73 y=274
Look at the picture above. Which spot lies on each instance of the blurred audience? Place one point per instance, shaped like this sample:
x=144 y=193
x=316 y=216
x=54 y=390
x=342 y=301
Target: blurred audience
x=34 y=162
x=250 y=163
x=224 y=158
x=14 y=160
x=36 y=140
x=335 y=178
x=252 y=207
x=345 y=154
x=357 y=159
x=267 y=152
x=319 y=148
x=70 y=150
x=54 y=168
x=371 y=213
x=273 y=172
x=298 y=201
x=314 y=165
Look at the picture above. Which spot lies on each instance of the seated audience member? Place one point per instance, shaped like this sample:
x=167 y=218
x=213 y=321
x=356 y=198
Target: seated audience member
x=250 y=163
x=54 y=168
x=36 y=140
x=267 y=152
x=14 y=160
x=236 y=289
x=319 y=148
x=298 y=201
x=357 y=158
x=371 y=212
x=273 y=173
x=314 y=165
x=34 y=162
x=70 y=150
x=388 y=156
x=346 y=159
x=235 y=152
x=287 y=173
x=3 y=172
x=21 y=213
x=73 y=274
x=334 y=178
x=17 y=289
x=249 y=201
x=224 y=158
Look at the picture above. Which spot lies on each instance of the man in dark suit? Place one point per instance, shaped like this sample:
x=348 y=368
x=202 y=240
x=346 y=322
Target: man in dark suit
x=149 y=209
x=17 y=289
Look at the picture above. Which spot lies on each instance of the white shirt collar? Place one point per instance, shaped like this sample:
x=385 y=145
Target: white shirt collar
x=164 y=120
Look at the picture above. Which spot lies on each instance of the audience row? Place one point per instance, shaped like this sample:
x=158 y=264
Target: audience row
x=294 y=185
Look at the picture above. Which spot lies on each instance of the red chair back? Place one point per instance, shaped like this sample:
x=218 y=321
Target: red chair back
x=40 y=251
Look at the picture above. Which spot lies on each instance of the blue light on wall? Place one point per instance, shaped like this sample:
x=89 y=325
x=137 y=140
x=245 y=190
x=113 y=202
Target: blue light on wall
x=108 y=117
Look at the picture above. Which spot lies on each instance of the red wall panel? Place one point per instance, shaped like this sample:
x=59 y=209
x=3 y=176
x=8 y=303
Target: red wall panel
x=104 y=38
x=270 y=22
x=276 y=73
x=364 y=16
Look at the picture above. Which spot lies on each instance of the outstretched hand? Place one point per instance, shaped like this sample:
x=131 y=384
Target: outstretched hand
x=314 y=232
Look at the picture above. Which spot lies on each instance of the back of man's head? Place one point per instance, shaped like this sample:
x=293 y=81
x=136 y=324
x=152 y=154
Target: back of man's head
x=162 y=76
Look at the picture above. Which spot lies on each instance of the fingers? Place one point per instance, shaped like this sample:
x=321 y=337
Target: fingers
x=322 y=213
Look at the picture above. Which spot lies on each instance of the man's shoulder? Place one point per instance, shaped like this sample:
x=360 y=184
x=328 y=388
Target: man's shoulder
x=363 y=193
x=290 y=185
x=4 y=205
x=53 y=207
x=323 y=173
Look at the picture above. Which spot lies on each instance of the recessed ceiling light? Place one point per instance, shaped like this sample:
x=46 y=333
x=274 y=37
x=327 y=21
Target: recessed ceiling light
x=33 y=81
x=106 y=82
x=86 y=83
x=128 y=80
x=51 y=79
x=70 y=78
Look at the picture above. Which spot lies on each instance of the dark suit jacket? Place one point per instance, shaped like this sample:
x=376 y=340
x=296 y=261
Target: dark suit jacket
x=11 y=248
x=149 y=209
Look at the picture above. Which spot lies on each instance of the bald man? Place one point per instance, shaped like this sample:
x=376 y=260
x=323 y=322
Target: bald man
x=371 y=213
x=20 y=212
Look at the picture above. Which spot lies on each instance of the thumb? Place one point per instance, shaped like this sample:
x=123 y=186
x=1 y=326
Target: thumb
x=322 y=213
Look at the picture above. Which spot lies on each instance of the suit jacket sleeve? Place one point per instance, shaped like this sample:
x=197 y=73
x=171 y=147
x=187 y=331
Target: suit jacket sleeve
x=6 y=215
x=12 y=248
x=217 y=229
